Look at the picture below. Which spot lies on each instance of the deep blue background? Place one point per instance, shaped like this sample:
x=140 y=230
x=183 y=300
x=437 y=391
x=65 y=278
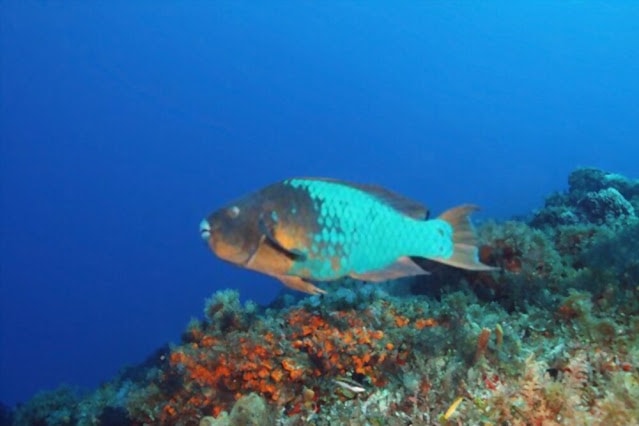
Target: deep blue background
x=124 y=123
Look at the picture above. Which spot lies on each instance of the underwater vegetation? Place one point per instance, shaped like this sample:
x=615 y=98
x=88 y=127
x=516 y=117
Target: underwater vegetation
x=551 y=338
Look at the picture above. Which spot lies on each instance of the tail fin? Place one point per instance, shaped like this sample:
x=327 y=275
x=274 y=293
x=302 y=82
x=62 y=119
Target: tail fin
x=465 y=253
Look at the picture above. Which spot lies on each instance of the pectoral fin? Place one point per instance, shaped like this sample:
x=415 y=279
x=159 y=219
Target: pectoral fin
x=268 y=225
x=403 y=267
x=297 y=283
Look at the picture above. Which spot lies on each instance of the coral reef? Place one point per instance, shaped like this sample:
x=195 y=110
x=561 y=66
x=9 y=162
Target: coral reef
x=552 y=338
x=594 y=197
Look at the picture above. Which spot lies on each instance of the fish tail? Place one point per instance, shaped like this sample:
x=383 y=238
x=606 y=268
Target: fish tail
x=465 y=252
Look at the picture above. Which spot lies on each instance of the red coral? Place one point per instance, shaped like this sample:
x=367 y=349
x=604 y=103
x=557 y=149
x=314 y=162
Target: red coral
x=215 y=368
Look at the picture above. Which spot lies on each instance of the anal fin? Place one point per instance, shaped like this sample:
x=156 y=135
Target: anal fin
x=402 y=267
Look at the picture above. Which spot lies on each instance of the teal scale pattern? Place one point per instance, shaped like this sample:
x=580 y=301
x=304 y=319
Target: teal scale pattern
x=358 y=233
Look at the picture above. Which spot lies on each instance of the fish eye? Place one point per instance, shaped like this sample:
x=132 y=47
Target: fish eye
x=233 y=212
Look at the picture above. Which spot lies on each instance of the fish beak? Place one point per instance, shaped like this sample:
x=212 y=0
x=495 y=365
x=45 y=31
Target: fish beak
x=205 y=230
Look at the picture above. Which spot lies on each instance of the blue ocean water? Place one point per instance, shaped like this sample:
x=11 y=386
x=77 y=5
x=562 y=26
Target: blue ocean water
x=124 y=123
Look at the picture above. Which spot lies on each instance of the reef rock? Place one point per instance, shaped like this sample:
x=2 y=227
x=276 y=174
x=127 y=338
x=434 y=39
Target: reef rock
x=594 y=197
x=605 y=206
x=588 y=179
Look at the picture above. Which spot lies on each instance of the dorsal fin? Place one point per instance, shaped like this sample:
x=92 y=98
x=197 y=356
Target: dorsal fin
x=399 y=202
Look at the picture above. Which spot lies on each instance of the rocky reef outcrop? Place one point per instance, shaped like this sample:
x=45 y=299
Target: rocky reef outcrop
x=551 y=338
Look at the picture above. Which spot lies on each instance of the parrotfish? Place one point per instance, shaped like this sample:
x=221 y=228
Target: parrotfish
x=311 y=230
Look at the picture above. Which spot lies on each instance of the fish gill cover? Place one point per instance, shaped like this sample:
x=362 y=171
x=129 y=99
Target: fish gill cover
x=551 y=338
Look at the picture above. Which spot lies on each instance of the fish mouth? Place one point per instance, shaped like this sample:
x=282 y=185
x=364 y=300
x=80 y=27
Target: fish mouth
x=205 y=230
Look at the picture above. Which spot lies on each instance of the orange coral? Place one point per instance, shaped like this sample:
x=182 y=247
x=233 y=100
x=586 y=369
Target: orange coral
x=296 y=374
x=277 y=375
x=203 y=376
x=482 y=344
x=401 y=321
x=169 y=410
x=377 y=334
x=425 y=322
x=288 y=365
x=177 y=358
x=217 y=368
x=207 y=341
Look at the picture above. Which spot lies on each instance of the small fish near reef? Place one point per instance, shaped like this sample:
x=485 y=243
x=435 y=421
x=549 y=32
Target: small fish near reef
x=306 y=230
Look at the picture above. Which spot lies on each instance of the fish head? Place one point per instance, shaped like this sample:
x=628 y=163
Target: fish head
x=232 y=232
